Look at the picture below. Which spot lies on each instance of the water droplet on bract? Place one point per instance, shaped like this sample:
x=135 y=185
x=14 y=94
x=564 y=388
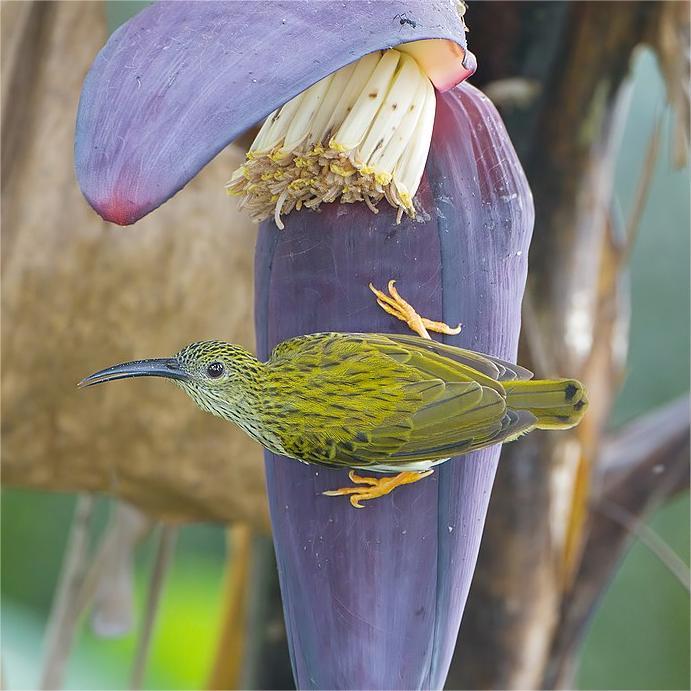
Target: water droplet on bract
x=451 y=529
x=404 y=532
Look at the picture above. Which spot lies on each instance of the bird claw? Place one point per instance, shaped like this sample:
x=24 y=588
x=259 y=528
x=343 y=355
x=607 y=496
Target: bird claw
x=397 y=307
x=375 y=487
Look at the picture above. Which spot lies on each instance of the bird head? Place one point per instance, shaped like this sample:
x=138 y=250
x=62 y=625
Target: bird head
x=217 y=375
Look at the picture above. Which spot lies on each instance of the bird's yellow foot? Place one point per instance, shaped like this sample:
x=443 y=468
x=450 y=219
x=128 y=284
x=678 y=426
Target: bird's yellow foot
x=395 y=305
x=375 y=486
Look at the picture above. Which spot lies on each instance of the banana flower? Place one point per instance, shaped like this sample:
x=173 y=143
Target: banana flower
x=378 y=163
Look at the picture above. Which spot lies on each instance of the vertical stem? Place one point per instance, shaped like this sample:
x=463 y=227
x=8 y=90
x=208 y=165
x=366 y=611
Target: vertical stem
x=227 y=666
x=267 y=658
x=164 y=554
x=64 y=614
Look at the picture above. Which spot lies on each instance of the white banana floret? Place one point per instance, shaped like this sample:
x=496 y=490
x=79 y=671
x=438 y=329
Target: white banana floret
x=360 y=134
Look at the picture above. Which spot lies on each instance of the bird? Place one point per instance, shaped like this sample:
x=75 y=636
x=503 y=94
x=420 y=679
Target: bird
x=382 y=402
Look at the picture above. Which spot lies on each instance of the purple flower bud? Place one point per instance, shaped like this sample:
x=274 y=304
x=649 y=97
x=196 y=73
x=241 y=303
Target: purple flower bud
x=373 y=598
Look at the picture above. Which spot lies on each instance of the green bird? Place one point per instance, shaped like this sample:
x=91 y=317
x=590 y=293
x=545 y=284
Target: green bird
x=383 y=402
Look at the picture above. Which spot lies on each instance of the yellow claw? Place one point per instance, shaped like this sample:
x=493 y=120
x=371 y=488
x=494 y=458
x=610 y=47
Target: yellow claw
x=397 y=307
x=376 y=486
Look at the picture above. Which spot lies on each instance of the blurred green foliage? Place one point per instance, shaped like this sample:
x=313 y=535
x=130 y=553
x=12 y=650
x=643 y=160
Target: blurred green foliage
x=640 y=635
x=186 y=631
x=33 y=538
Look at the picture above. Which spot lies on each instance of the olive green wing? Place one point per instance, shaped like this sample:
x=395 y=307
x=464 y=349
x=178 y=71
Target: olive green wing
x=386 y=399
x=488 y=365
x=441 y=428
x=414 y=350
x=437 y=432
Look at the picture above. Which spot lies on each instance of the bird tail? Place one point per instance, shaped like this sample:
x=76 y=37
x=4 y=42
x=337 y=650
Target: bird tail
x=556 y=403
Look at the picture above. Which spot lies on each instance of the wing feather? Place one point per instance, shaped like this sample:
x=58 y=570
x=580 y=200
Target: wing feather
x=492 y=367
x=449 y=401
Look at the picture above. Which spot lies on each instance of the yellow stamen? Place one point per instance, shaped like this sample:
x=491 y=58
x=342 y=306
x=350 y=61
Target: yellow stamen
x=355 y=136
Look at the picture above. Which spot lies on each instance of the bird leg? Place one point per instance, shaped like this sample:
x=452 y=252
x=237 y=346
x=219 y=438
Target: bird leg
x=375 y=486
x=396 y=306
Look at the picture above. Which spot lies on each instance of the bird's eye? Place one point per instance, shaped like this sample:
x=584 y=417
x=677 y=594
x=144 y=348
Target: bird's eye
x=215 y=370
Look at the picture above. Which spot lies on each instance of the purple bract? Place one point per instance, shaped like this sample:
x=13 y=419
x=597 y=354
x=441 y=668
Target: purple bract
x=181 y=80
x=373 y=598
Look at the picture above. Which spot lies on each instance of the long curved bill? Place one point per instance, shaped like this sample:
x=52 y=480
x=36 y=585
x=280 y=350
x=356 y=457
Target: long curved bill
x=157 y=367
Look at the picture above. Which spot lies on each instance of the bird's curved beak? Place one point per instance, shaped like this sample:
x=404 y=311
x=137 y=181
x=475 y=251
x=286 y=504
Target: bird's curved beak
x=157 y=367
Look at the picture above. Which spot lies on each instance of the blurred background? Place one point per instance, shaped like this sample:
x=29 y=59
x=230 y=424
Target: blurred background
x=639 y=635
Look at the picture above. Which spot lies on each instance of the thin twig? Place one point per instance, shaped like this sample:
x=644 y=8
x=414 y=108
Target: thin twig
x=112 y=611
x=64 y=614
x=644 y=182
x=99 y=562
x=650 y=539
x=164 y=555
